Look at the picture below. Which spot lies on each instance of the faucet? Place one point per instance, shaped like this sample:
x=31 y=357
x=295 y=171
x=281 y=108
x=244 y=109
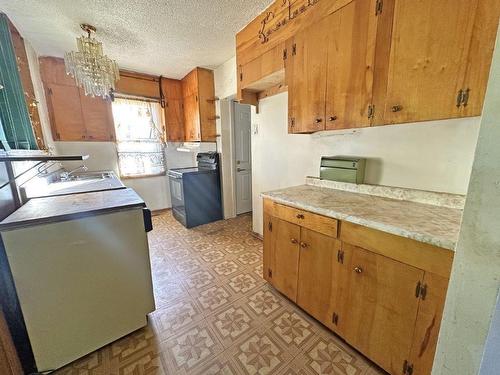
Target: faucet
x=67 y=175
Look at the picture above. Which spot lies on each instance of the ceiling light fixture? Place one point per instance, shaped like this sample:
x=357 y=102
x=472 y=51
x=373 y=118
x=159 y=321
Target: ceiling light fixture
x=92 y=70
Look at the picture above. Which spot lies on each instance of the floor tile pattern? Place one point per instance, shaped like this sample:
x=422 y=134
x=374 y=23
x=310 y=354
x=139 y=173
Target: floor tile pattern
x=216 y=315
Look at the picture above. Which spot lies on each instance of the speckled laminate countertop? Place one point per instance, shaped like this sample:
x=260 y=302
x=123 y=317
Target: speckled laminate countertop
x=435 y=225
x=66 y=207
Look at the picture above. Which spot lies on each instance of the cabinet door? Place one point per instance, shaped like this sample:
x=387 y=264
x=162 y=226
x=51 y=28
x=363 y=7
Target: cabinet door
x=480 y=54
x=380 y=308
x=430 y=313
x=98 y=118
x=174 y=119
x=192 y=119
x=429 y=47
x=351 y=55
x=319 y=271
x=206 y=94
x=65 y=113
x=307 y=83
x=285 y=262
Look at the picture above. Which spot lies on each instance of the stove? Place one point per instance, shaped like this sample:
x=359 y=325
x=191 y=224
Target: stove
x=196 y=191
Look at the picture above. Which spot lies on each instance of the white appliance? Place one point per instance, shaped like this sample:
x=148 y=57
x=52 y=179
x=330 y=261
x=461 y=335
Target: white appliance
x=81 y=283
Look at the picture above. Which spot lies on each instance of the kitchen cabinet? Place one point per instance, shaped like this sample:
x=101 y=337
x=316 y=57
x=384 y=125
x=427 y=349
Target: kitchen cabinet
x=440 y=53
x=174 y=110
x=357 y=63
x=65 y=111
x=380 y=309
x=9 y=361
x=199 y=106
x=382 y=293
x=307 y=62
x=73 y=115
x=320 y=272
x=285 y=257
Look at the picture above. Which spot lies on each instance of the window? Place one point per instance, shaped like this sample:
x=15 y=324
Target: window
x=139 y=137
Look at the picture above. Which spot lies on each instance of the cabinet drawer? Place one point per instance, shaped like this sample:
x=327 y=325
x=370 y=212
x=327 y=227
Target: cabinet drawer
x=318 y=223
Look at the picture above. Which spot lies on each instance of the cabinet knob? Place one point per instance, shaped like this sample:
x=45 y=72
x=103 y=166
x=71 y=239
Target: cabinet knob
x=293 y=240
x=358 y=269
x=333 y=118
x=299 y=216
x=396 y=108
x=318 y=120
x=303 y=245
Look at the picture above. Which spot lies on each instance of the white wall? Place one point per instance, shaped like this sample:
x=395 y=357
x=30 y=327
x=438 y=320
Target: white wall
x=474 y=283
x=433 y=156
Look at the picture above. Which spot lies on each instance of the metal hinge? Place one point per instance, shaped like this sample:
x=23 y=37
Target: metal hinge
x=378 y=7
x=241 y=76
x=294 y=49
x=292 y=122
x=335 y=319
x=463 y=97
x=270 y=273
x=270 y=226
x=407 y=368
x=340 y=256
x=421 y=290
x=371 y=110
x=50 y=91
x=284 y=54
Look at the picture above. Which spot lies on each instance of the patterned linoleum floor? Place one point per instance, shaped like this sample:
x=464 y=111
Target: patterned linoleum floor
x=216 y=315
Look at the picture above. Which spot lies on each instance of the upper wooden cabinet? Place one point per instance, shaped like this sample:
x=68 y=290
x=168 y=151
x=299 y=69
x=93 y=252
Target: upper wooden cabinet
x=73 y=115
x=198 y=93
x=440 y=53
x=358 y=63
x=174 y=109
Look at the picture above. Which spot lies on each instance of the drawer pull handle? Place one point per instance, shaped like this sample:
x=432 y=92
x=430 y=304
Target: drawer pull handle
x=294 y=241
x=318 y=120
x=333 y=118
x=358 y=269
x=303 y=245
x=300 y=216
x=396 y=108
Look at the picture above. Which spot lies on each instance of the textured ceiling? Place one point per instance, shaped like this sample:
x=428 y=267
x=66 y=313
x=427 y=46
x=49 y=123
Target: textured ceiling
x=168 y=37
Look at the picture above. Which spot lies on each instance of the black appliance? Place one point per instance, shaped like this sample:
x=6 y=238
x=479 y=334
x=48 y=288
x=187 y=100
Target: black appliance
x=196 y=192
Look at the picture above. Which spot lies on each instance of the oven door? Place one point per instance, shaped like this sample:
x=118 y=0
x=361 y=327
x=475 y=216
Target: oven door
x=177 y=197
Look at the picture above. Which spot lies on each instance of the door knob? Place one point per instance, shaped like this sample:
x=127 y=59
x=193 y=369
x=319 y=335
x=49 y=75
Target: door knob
x=240 y=169
x=318 y=120
x=333 y=118
x=293 y=240
x=358 y=269
x=396 y=108
x=300 y=216
x=303 y=245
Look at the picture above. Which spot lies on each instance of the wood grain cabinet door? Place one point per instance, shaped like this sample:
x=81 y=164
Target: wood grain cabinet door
x=65 y=112
x=174 y=119
x=206 y=94
x=307 y=84
x=428 y=58
x=285 y=262
x=430 y=313
x=380 y=308
x=192 y=119
x=319 y=272
x=351 y=55
x=98 y=118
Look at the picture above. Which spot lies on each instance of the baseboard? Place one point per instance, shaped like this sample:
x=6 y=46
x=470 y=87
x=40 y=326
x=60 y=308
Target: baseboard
x=160 y=212
x=257 y=235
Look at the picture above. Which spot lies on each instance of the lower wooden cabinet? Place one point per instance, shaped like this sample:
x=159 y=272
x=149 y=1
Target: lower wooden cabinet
x=389 y=310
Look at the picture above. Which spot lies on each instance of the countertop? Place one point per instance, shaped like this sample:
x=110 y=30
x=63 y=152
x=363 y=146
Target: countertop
x=435 y=225
x=66 y=207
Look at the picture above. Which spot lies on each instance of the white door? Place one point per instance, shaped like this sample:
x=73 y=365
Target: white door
x=243 y=157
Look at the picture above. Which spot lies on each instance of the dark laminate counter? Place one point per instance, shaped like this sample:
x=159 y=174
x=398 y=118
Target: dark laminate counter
x=66 y=207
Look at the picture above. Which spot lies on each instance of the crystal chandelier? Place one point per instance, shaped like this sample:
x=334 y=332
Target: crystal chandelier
x=92 y=70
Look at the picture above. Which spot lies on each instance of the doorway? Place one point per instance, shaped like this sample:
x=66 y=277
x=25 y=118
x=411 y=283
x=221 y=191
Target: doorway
x=242 y=157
